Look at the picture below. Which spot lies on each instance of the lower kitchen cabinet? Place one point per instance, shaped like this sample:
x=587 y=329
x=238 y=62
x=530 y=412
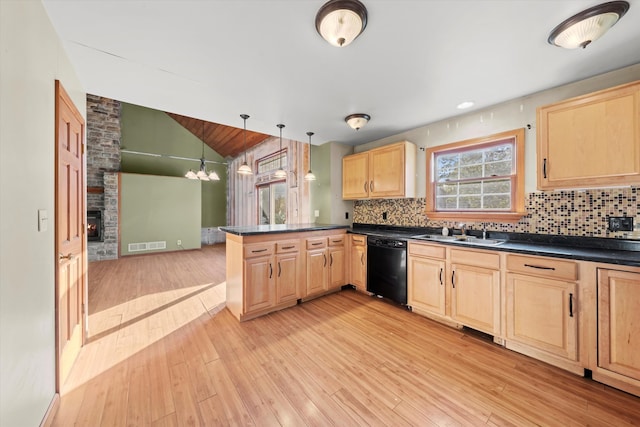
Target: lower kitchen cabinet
x=426 y=278
x=288 y=275
x=542 y=313
x=317 y=274
x=358 y=262
x=325 y=264
x=619 y=323
x=542 y=308
x=337 y=265
x=258 y=270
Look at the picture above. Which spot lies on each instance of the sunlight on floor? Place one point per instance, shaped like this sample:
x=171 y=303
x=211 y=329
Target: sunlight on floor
x=120 y=332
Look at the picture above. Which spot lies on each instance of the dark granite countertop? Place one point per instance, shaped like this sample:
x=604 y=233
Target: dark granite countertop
x=595 y=249
x=251 y=230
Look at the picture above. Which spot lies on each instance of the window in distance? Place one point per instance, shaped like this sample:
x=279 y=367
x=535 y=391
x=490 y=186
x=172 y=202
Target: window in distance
x=480 y=179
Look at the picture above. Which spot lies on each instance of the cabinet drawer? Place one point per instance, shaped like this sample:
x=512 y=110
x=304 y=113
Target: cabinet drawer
x=358 y=240
x=431 y=251
x=476 y=258
x=337 y=240
x=288 y=246
x=543 y=267
x=316 y=243
x=258 y=249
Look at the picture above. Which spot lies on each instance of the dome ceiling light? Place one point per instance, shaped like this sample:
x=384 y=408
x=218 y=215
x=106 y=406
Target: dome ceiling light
x=356 y=121
x=340 y=21
x=587 y=26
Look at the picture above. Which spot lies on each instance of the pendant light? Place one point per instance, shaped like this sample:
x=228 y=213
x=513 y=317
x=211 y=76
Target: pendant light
x=310 y=176
x=202 y=174
x=280 y=173
x=587 y=26
x=244 y=169
x=339 y=22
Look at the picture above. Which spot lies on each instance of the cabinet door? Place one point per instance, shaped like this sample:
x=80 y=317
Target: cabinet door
x=619 y=322
x=542 y=313
x=337 y=276
x=426 y=288
x=386 y=171
x=259 y=289
x=593 y=140
x=317 y=272
x=355 y=176
x=287 y=266
x=475 y=297
x=359 y=267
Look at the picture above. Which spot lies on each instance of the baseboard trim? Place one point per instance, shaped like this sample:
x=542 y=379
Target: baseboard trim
x=52 y=410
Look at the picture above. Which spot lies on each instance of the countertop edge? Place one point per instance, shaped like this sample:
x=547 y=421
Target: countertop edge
x=252 y=231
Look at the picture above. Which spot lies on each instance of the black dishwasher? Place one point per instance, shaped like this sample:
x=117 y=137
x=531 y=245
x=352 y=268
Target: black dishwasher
x=387 y=268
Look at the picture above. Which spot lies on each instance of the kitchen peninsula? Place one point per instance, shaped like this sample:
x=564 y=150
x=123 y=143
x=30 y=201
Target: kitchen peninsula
x=271 y=267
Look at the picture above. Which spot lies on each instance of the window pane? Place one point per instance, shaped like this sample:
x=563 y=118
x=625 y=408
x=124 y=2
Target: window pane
x=263 y=205
x=497 y=201
x=469 y=172
x=471 y=158
x=280 y=203
x=447 y=203
x=499 y=152
x=502 y=186
x=498 y=168
x=470 y=202
x=470 y=188
x=446 y=189
x=447 y=167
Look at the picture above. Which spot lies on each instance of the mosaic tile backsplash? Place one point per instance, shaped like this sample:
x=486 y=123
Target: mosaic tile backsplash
x=568 y=213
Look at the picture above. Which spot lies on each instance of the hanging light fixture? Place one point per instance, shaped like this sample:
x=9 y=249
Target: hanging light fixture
x=340 y=21
x=280 y=173
x=587 y=26
x=202 y=174
x=356 y=121
x=310 y=176
x=244 y=169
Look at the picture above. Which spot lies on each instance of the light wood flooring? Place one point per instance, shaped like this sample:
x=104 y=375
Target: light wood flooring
x=164 y=351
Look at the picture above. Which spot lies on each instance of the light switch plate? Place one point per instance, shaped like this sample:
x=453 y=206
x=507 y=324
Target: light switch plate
x=317 y=213
x=42 y=220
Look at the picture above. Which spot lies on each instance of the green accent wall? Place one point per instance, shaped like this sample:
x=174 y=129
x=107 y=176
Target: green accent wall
x=321 y=188
x=152 y=131
x=159 y=208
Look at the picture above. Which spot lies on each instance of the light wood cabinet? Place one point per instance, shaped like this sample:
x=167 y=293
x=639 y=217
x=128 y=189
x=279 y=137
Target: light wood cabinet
x=426 y=275
x=288 y=268
x=475 y=297
x=385 y=172
x=619 y=323
x=325 y=259
x=542 y=309
x=358 y=262
x=591 y=140
x=269 y=272
x=258 y=269
x=337 y=264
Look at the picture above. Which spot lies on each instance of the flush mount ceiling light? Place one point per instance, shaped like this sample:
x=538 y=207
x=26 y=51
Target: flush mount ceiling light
x=280 y=173
x=464 y=105
x=244 y=169
x=587 y=26
x=340 y=21
x=356 y=121
x=310 y=176
x=202 y=174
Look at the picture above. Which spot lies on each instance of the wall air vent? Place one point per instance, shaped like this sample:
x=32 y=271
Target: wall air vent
x=147 y=246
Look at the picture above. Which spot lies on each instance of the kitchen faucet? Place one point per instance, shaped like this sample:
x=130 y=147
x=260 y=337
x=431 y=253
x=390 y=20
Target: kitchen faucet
x=463 y=228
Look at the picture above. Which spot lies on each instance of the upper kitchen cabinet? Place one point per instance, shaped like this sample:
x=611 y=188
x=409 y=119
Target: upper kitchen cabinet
x=590 y=141
x=382 y=173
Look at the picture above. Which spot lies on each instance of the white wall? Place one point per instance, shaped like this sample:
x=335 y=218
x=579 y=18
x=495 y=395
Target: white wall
x=513 y=114
x=31 y=58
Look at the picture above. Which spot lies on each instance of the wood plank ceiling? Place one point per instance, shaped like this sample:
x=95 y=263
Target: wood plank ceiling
x=225 y=140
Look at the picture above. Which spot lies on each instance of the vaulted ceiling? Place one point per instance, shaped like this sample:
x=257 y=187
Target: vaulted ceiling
x=413 y=64
x=227 y=141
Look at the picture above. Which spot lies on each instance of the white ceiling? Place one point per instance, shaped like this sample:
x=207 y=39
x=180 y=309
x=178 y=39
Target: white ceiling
x=415 y=61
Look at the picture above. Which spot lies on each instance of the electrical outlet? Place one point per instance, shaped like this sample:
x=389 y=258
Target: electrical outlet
x=346 y=215
x=179 y=242
x=316 y=213
x=384 y=216
x=620 y=223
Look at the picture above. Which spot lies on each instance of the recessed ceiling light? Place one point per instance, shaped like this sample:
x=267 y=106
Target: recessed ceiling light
x=464 y=105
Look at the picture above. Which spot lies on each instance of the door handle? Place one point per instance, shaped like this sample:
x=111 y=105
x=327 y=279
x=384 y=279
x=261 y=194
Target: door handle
x=570 y=305
x=330 y=260
x=325 y=260
x=441 y=278
x=544 y=168
x=67 y=256
x=371 y=185
x=366 y=187
x=362 y=259
x=270 y=271
x=453 y=279
x=279 y=269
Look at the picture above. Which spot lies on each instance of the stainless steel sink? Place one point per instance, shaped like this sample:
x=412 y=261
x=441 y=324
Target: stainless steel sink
x=469 y=240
